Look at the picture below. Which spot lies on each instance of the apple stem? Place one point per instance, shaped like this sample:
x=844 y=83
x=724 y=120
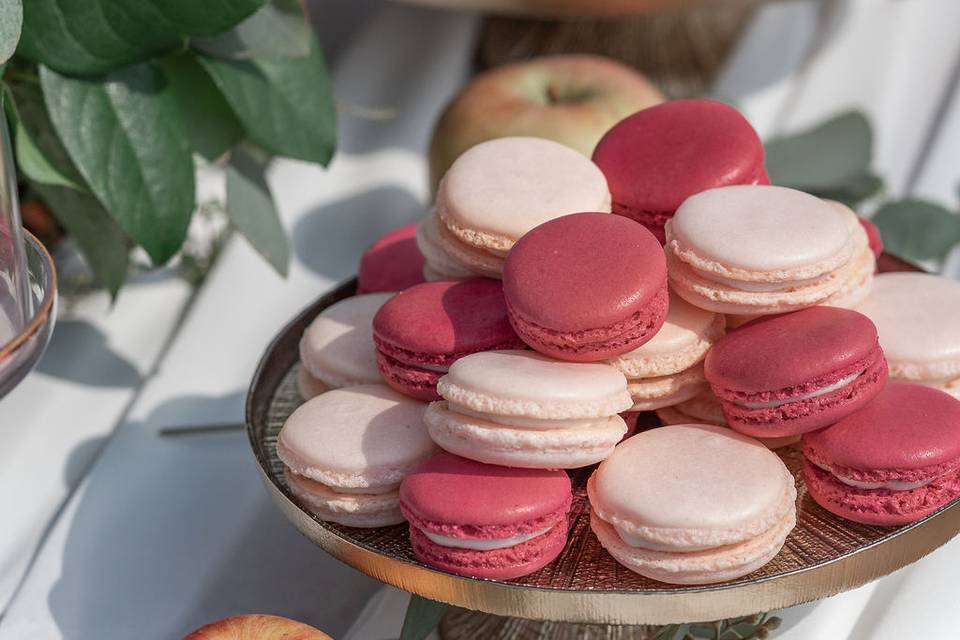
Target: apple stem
x=553 y=96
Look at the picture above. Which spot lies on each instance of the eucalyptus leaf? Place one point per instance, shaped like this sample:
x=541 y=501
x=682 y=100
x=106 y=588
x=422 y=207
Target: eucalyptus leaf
x=824 y=157
x=278 y=30
x=103 y=244
x=916 y=229
x=854 y=189
x=213 y=127
x=285 y=105
x=422 y=618
x=126 y=136
x=86 y=37
x=40 y=155
x=11 y=22
x=251 y=209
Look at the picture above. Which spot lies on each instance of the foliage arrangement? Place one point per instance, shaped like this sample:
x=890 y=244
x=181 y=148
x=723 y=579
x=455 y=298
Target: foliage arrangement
x=112 y=102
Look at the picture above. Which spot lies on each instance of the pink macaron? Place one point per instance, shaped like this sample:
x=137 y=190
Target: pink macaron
x=421 y=331
x=483 y=520
x=658 y=157
x=586 y=287
x=392 y=263
x=789 y=374
x=692 y=504
x=891 y=463
x=873 y=237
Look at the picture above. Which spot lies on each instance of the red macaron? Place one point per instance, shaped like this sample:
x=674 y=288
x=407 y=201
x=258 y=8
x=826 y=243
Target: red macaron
x=586 y=287
x=392 y=263
x=484 y=520
x=657 y=158
x=873 y=236
x=892 y=462
x=421 y=331
x=792 y=373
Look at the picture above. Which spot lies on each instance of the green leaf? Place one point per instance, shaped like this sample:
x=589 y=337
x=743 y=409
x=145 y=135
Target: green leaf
x=126 y=136
x=422 y=617
x=917 y=229
x=85 y=37
x=251 y=209
x=101 y=241
x=40 y=155
x=11 y=21
x=854 y=189
x=278 y=30
x=824 y=157
x=213 y=127
x=286 y=106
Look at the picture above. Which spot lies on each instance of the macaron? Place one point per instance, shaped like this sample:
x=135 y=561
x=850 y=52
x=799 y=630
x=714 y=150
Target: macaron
x=704 y=408
x=498 y=190
x=917 y=317
x=392 y=263
x=336 y=349
x=668 y=369
x=483 y=520
x=758 y=250
x=346 y=451
x=692 y=504
x=438 y=263
x=660 y=156
x=892 y=462
x=874 y=240
x=521 y=409
x=586 y=287
x=422 y=330
x=308 y=386
x=788 y=374
x=857 y=275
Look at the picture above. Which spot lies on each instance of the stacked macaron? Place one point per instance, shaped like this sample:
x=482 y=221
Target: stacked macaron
x=723 y=303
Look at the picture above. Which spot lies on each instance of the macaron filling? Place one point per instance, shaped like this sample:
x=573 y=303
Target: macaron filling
x=822 y=391
x=483 y=544
x=892 y=485
x=523 y=422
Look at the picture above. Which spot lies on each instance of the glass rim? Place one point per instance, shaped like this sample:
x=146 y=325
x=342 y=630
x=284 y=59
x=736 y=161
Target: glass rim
x=42 y=313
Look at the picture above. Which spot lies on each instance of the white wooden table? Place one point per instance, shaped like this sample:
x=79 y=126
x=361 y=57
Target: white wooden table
x=113 y=532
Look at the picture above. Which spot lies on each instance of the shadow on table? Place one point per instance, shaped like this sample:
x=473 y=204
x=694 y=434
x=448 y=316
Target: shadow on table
x=77 y=348
x=330 y=239
x=186 y=535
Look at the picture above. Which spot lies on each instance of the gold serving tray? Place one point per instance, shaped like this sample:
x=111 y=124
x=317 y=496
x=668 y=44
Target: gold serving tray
x=824 y=554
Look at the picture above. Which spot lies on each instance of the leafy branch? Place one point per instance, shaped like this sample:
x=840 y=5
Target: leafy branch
x=112 y=102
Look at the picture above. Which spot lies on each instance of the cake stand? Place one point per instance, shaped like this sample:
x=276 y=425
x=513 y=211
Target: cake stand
x=584 y=593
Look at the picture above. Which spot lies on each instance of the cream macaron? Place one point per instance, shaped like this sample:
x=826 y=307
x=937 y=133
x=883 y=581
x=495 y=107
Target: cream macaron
x=498 y=190
x=346 y=451
x=668 y=369
x=758 y=250
x=917 y=316
x=692 y=504
x=522 y=409
x=336 y=349
x=858 y=274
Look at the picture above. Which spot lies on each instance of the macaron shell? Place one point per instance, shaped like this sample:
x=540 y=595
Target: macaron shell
x=366 y=436
x=499 y=444
x=690 y=487
x=499 y=564
x=656 y=158
x=684 y=339
x=676 y=415
x=664 y=391
x=696 y=567
x=906 y=427
x=438 y=322
x=879 y=506
x=524 y=383
x=759 y=234
x=916 y=318
x=498 y=190
x=457 y=497
x=786 y=351
x=392 y=263
x=410 y=380
x=308 y=386
x=337 y=347
x=565 y=276
x=478 y=261
x=438 y=265
x=363 y=510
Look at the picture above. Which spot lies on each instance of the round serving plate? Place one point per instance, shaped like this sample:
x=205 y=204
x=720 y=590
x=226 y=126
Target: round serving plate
x=824 y=554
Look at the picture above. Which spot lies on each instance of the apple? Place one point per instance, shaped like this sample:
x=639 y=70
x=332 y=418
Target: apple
x=572 y=99
x=257 y=627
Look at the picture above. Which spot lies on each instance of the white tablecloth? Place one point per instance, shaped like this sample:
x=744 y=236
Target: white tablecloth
x=167 y=533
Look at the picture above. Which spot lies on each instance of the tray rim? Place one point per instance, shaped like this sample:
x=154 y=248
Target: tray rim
x=689 y=604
